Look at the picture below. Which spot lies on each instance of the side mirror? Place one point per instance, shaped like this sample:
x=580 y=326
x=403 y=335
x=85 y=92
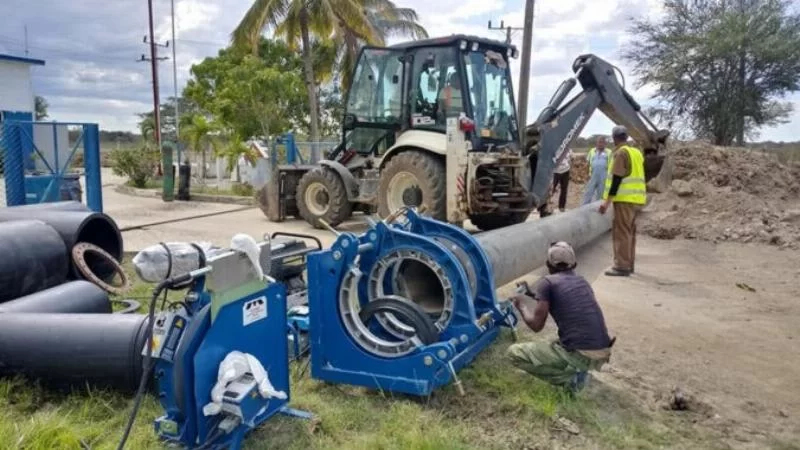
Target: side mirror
x=349 y=122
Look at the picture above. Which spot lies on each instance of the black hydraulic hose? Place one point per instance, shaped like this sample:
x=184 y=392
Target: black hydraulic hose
x=407 y=312
x=147 y=364
x=182 y=219
x=148 y=357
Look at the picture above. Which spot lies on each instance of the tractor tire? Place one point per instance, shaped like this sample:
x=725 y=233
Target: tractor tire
x=321 y=194
x=421 y=177
x=267 y=199
x=487 y=222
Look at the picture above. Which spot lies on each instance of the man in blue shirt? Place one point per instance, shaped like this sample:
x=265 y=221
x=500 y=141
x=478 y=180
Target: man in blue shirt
x=598 y=168
x=583 y=343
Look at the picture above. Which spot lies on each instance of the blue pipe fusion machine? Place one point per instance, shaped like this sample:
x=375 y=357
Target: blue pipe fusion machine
x=401 y=307
x=220 y=358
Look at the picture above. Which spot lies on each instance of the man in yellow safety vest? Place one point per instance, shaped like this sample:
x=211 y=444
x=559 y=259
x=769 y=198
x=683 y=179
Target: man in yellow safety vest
x=627 y=190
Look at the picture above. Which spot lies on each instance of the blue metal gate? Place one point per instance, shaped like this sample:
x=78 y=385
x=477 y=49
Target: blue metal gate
x=37 y=161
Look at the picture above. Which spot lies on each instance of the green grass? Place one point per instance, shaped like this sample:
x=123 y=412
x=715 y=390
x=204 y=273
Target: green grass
x=503 y=409
x=237 y=190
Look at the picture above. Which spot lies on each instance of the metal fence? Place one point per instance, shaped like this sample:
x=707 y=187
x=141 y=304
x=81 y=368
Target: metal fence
x=44 y=162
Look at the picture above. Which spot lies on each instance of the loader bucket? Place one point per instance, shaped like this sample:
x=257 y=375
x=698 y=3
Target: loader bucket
x=268 y=199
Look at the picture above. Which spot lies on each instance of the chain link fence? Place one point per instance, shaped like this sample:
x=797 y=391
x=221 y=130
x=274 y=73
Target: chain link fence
x=50 y=161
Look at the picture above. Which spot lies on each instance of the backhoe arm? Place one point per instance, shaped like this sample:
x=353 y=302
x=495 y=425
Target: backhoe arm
x=559 y=125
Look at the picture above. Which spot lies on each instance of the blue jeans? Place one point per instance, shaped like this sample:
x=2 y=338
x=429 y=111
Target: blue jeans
x=595 y=187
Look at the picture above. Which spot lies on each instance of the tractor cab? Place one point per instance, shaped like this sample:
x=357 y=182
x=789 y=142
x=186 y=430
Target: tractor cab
x=416 y=86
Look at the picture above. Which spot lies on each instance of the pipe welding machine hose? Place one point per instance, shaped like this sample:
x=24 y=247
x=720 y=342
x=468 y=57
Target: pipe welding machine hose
x=147 y=362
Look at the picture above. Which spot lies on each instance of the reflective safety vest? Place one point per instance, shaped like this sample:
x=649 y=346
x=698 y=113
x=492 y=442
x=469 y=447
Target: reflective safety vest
x=633 y=188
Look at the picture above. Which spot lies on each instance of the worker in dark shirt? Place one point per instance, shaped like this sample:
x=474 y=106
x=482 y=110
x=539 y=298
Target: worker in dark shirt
x=583 y=343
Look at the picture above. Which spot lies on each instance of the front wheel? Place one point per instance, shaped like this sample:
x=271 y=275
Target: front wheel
x=413 y=178
x=321 y=194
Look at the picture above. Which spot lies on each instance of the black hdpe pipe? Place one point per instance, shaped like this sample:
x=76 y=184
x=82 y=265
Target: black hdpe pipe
x=33 y=257
x=66 y=350
x=73 y=297
x=74 y=227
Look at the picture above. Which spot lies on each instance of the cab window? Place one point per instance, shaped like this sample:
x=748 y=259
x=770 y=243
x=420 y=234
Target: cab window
x=435 y=87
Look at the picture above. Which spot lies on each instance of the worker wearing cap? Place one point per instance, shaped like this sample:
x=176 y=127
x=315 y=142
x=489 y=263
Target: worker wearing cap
x=597 y=159
x=626 y=189
x=583 y=343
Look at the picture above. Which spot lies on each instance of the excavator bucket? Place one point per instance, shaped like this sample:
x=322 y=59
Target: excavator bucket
x=657 y=164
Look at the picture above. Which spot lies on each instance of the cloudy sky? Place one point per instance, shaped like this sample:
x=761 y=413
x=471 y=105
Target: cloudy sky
x=91 y=47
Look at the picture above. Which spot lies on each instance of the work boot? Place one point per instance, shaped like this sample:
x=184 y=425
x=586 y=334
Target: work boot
x=615 y=272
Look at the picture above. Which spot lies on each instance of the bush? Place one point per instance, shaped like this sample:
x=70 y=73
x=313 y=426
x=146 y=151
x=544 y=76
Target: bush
x=137 y=164
x=242 y=189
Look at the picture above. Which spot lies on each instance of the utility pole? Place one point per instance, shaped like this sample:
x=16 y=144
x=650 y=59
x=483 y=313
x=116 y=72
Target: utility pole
x=154 y=68
x=525 y=69
x=507 y=29
x=175 y=81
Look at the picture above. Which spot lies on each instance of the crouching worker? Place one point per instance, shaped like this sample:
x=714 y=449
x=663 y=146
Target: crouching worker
x=583 y=343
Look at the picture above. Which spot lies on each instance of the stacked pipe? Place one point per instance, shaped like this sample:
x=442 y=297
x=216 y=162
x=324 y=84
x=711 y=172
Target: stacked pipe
x=51 y=320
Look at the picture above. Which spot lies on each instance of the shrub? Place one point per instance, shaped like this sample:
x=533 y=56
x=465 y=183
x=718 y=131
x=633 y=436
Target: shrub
x=137 y=164
x=242 y=189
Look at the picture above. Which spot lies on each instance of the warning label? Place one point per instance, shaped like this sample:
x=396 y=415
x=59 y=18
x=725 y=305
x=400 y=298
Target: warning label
x=254 y=310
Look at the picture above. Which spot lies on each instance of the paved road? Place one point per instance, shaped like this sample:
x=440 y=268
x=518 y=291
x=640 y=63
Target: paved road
x=130 y=211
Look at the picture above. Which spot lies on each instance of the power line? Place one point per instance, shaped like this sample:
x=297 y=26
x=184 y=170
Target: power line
x=507 y=29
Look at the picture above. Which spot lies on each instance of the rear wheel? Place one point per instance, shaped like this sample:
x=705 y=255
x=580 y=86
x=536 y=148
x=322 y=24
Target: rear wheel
x=321 y=194
x=413 y=178
x=486 y=222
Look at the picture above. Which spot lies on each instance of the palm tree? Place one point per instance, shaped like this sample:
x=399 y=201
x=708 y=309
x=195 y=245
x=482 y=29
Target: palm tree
x=298 y=20
x=388 y=21
x=199 y=133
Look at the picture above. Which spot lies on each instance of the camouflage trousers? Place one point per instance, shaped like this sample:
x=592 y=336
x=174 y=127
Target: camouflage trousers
x=551 y=362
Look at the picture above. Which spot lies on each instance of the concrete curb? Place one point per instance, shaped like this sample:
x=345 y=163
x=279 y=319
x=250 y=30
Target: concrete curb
x=208 y=198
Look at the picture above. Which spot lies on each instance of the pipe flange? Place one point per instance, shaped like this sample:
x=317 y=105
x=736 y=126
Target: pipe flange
x=79 y=252
x=390 y=264
x=349 y=310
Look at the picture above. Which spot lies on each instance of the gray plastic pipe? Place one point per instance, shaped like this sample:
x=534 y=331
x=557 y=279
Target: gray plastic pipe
x=520 y=249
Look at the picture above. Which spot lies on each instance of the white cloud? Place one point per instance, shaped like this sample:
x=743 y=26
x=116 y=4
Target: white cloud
x=91 y=46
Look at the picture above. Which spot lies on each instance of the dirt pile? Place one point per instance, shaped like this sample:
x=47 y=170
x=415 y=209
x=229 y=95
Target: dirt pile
x=728 y=194
x=579 y=170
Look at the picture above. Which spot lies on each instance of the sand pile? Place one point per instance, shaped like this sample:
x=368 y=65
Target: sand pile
x=727 y=194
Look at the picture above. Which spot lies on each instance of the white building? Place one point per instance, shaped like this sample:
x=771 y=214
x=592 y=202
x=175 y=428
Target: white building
x=16 y=89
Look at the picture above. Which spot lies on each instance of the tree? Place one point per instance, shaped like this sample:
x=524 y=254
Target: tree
x=298 y=20
x=253 y=95
x=720 y=66
x=199 y=132
x=388 y=21
x=147 y=122
x=41 y=106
